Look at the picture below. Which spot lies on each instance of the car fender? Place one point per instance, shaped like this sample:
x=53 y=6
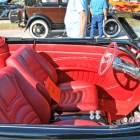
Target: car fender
x=6 y=11
x=37 y=17
x=109 y=16
x=24 y=16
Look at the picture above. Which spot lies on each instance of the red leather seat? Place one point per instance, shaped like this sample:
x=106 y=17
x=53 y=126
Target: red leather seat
x=75 y=95
x=21 y=103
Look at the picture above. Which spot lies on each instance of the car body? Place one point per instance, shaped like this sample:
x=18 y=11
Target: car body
x=6 y=8
x=43 y=17
x=81 y=60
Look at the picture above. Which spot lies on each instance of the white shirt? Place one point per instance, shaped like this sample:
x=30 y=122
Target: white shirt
x=72 y=17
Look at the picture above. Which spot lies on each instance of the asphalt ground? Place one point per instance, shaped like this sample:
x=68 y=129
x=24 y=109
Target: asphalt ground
x=53 y=34
x=4 y=21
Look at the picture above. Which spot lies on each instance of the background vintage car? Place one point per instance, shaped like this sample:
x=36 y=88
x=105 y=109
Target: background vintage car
x=6 y=6
x=46 y=15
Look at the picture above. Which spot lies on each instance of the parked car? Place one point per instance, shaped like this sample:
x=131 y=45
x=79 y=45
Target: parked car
x=6 y=7
x=42 y=17
x=98 y=82
x=20 y=2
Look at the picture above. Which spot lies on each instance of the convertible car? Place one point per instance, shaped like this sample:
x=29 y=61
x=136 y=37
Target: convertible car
x=71 y=88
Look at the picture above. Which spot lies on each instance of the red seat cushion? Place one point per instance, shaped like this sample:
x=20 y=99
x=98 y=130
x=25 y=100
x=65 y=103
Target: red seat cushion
x=78 y=96
x=21 y=103
x=82 y=95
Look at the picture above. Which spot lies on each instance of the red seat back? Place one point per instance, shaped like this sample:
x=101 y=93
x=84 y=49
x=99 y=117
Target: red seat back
x=19 y=101
x=34 y=67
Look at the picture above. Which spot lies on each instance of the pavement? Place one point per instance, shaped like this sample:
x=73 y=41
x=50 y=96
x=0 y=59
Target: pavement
x=26 y=34
x=4 y=21
x=53 y=34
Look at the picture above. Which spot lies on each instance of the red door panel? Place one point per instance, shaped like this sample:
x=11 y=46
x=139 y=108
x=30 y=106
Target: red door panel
x=70 y=59
x=14 y=47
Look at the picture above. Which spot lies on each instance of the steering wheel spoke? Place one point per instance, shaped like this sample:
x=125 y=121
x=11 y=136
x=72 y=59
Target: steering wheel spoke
x=107 y=59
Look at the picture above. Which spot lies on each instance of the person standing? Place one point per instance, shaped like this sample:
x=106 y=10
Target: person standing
x=76 y=18
x=99 y=15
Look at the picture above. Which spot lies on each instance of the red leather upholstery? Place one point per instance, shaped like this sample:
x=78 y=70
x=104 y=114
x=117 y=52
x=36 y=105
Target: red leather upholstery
x=78 y=95
x=21 y=103
x=4 y=52
x=75 y=95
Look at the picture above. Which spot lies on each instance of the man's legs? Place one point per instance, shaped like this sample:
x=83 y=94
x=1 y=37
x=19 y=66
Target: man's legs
x=93 y=26
x=100 y=26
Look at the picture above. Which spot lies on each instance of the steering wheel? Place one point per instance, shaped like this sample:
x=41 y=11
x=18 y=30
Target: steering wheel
x=107 y=59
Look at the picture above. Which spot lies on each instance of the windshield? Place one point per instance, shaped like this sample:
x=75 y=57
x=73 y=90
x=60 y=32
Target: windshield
x=131 y=23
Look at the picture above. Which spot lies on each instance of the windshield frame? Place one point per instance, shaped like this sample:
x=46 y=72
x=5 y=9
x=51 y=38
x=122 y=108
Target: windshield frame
x=127 y=28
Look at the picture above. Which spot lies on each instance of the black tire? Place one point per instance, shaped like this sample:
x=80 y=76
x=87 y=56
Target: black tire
x=9 y=15
x=111 y=28
x=39 y=29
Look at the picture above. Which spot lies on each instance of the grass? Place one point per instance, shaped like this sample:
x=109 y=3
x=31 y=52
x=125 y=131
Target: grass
x=8 y=26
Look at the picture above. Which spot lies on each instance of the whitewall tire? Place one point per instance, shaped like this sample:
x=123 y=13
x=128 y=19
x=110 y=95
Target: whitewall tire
x=39 y=29
x=111 y=28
